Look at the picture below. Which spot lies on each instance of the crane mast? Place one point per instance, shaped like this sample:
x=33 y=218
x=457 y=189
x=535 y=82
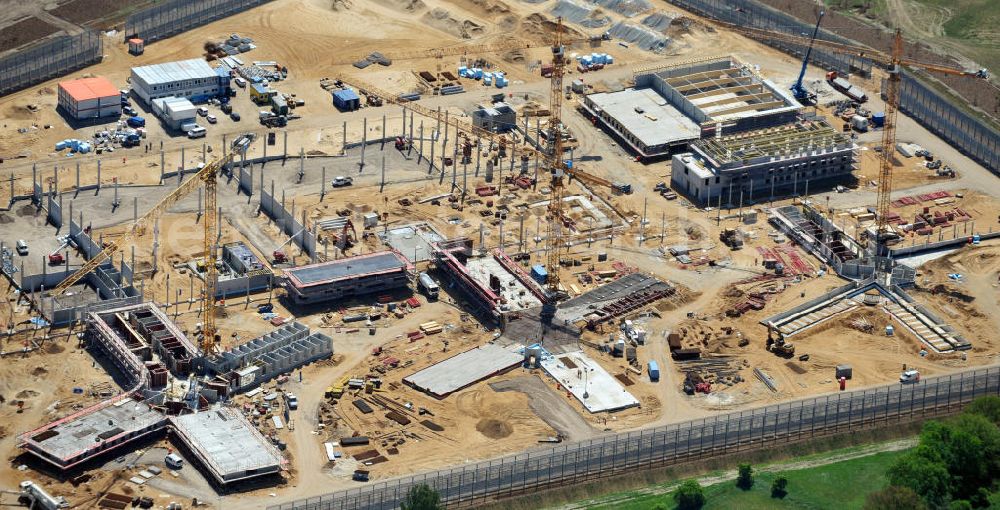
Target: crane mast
x=885 y=160
x=211 y=223
x=554 y=213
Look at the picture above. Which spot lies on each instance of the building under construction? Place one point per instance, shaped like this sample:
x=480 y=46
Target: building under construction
x=342 y=278
x=769 y=163
x=671 y=106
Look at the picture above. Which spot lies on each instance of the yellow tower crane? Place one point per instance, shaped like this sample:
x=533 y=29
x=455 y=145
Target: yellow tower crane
x=206 y=177
x=893 y=63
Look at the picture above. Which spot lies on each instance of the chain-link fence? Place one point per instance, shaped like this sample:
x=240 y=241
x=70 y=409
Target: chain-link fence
x=751 y=14
x=936 y=112
x=51 y=58
x=613 y=455
x=175 y=16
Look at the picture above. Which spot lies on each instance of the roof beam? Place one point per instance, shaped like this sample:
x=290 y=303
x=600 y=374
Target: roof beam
x=754 y=107
x=753 y=88
x=720 y=82
x=737 y=99
x=716 y=73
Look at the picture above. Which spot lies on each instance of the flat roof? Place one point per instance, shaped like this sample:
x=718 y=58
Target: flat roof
x=517 y=295
x=85 y=431
x=83 y=89
x=415 y=240
x=604 y=392
x=344 y=269
x=229 y=445
x=180 y=70
x=459 y=371
x=658 y=124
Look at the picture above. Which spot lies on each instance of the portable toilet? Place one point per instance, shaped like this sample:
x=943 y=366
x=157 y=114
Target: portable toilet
x=878 y=119
x=487 y=79
x=479 y=73
x=608 y=59
x=463 y=71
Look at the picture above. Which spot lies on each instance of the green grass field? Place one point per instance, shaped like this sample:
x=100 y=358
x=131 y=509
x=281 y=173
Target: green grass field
x=841 y=485
x=974 y=25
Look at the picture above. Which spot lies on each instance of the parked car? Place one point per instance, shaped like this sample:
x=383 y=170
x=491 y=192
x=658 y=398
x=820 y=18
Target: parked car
x=211 y=119
x=240 y=82
x=341 y=181
x=173 y=461
x=128 y=110
x=235 y=116
x=202 y=111
x=292 y=401
x=22 y=247
x=909 y=376
x=197 y=132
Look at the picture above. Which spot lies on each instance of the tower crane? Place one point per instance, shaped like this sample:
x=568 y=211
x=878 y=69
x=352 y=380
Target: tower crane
x=207 y=177
x=893 y=63
x=552 y=157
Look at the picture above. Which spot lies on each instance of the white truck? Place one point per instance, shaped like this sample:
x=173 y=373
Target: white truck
x=428 y=286
x=35 y=496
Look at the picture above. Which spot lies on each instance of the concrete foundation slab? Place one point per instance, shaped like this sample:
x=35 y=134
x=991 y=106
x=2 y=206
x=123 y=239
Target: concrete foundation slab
x=593 y=386
x=457 y=372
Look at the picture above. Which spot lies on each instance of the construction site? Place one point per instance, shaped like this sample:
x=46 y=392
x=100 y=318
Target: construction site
x=474 y=229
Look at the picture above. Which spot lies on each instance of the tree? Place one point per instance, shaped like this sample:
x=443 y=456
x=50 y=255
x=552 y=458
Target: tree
x=744 y=479
x=894 y=497
x=960 y=504
x=421 y=497
x=988 y=407
x=779 y=487
x=924 y=476
x=689 y=496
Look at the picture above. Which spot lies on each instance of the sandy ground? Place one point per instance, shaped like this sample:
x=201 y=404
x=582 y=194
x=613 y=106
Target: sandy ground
x=480 y=421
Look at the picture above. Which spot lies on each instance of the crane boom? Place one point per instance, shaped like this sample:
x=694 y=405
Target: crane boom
x=138 y=226
x=798 y=90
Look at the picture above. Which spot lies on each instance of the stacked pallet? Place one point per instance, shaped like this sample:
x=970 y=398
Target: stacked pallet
x=431 y=328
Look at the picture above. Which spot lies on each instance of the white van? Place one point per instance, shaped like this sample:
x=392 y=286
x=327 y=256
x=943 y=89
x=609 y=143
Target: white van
x=197 y=132
x=173 y=461
x=22 y=247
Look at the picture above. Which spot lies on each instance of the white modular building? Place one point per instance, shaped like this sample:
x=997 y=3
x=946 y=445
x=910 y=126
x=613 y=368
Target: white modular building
x=193 y=79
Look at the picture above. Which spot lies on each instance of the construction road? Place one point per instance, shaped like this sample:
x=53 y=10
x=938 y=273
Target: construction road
x=657 y=447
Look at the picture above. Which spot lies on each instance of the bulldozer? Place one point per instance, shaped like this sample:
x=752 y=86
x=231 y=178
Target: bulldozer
x=776 y=343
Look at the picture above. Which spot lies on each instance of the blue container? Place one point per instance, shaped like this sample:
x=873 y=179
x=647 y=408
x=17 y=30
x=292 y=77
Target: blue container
x=608 y=59
x=587 y=61
x=346 y=100
x=654 y=371
x=463 y=71
x=487 y=78
x=539 y=273
x=479 y=73
x=878 y=119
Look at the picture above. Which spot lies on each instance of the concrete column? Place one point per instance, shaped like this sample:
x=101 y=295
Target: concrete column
x=364 y=141
x=163 y=167
x=264 y=145
x=479 y=153
x=204 y=152
x=444 y=144
x=34 y=179
x=225 y=148
x=322 y=184
x=381 y=186
x=156 y=240
x=420 y=150
x=430 y=161
x=284 y=150
x=182 y=161
x=454 y=167
x=302 y=163
x=199 y=204
x=55 y=180
x=403 y=132
x=343 y=141
x=135 y=209
x=77 y=179
x=409 y=150
x=384 y=134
